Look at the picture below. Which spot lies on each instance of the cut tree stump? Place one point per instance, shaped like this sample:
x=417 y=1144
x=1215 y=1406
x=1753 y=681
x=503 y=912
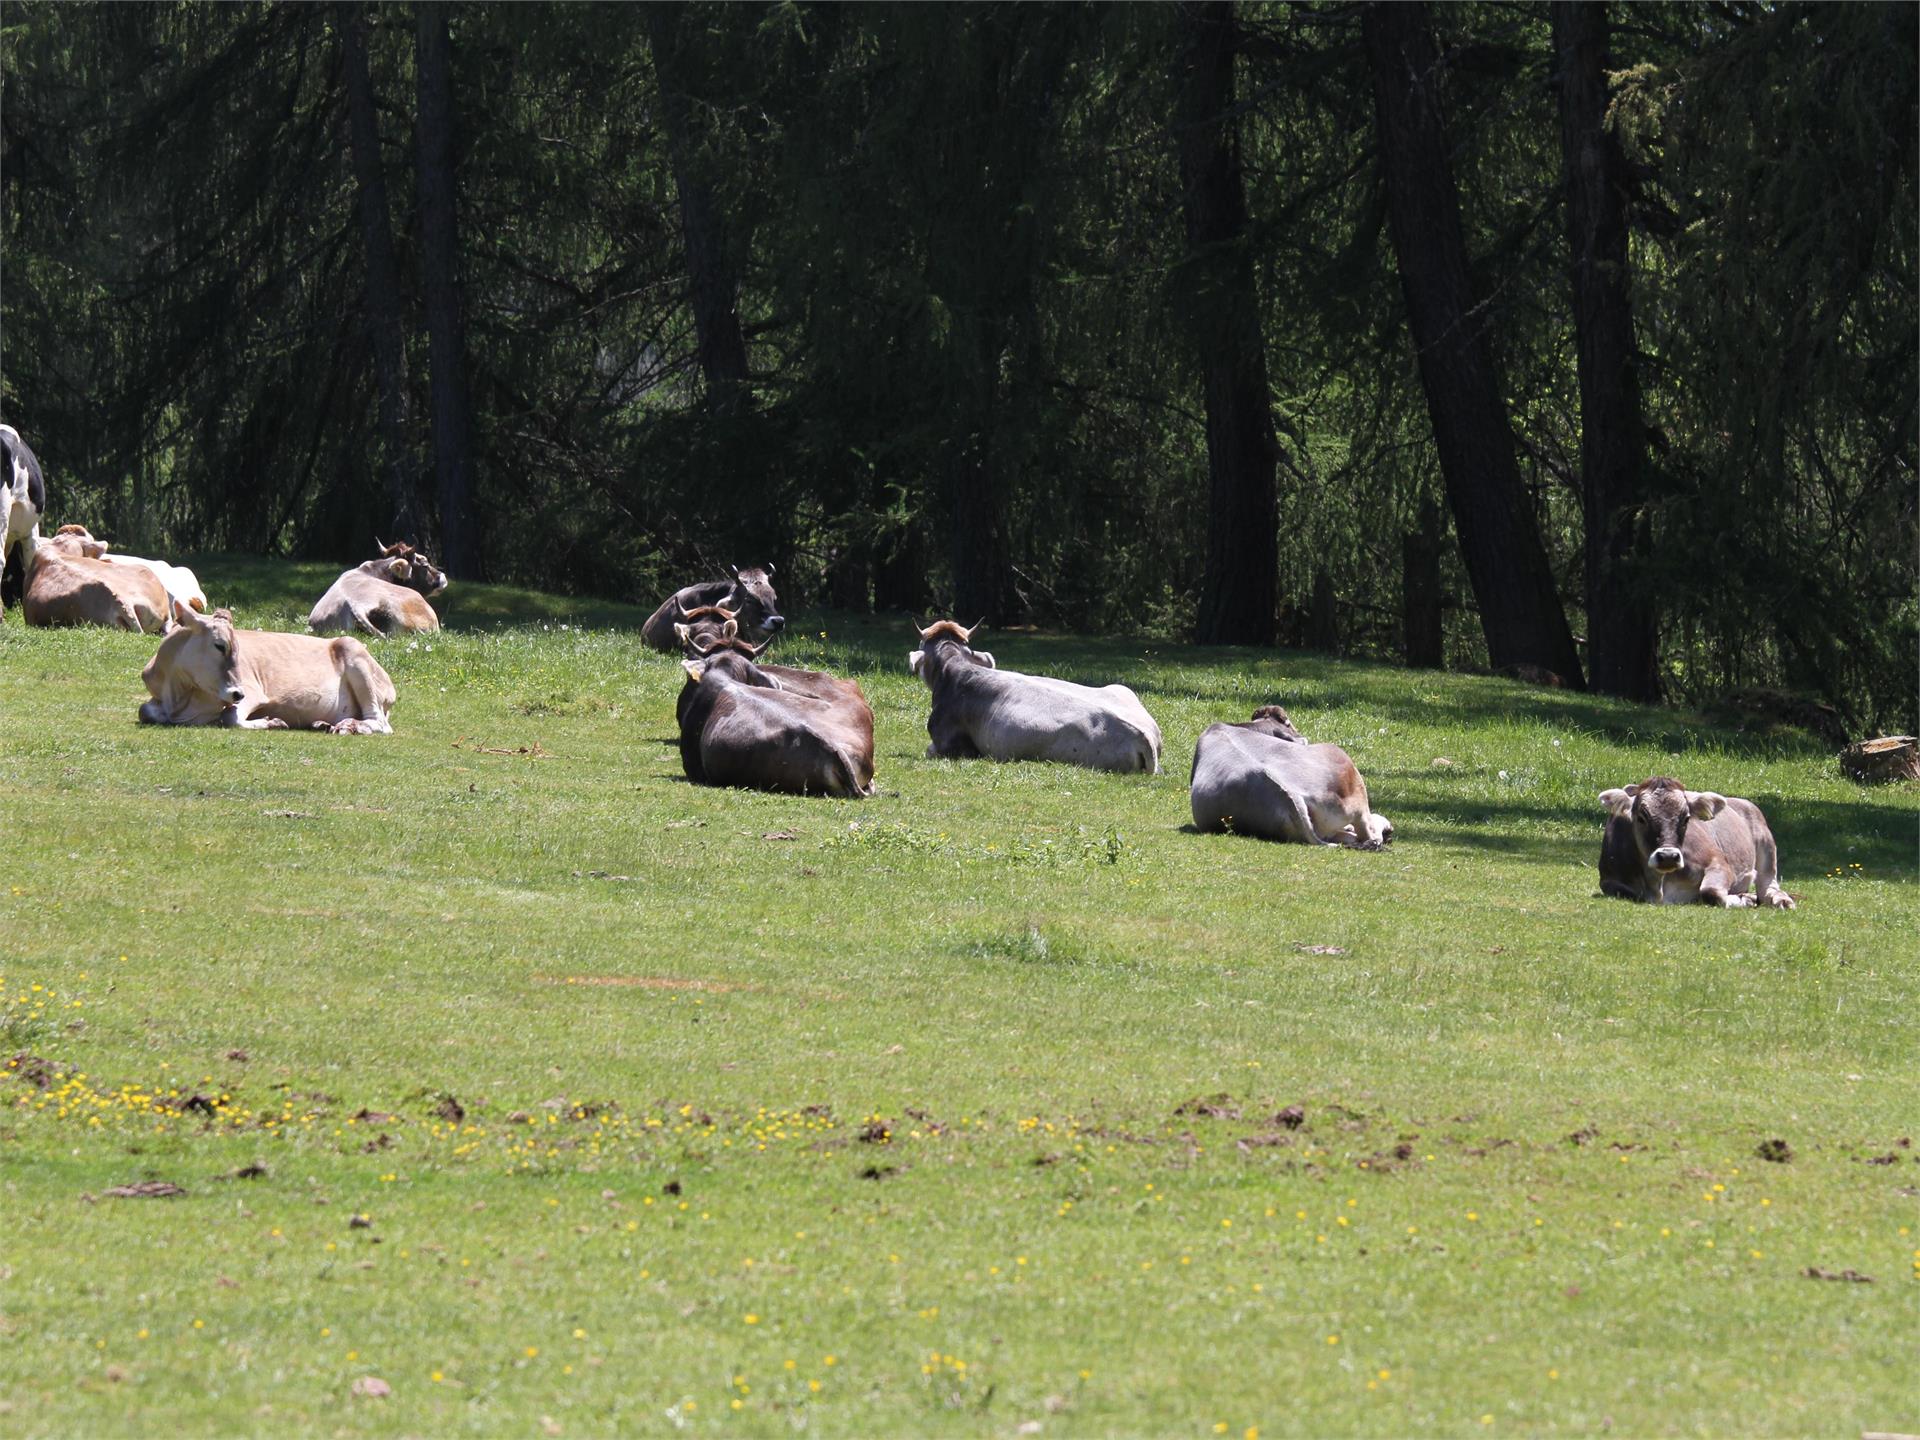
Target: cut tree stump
x=1890 y=757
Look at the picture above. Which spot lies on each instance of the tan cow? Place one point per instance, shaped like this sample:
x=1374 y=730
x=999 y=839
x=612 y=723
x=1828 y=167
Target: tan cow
x=69 y=584
x=1670 y=845
x=206 y=672
x=384 y=596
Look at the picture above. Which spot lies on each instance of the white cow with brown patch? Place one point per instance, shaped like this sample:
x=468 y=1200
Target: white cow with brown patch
x=207 y=672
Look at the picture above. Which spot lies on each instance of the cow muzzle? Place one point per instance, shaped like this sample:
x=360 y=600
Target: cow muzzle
x=774 y=624
x=233 y=695
x=1666 y=859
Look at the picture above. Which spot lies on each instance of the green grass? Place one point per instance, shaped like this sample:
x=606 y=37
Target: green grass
x=905 y=1088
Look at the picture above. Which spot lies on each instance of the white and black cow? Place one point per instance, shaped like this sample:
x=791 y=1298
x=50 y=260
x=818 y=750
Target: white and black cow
x=982 y=710
x=23 y=500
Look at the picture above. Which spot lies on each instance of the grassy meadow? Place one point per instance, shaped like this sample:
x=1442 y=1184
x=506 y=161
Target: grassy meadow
x=516 y=1086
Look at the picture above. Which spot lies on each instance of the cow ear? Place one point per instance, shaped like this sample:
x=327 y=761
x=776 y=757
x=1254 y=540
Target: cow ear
x=1705 y=804
x=400 y=570
x=682 y=631
x=694 y=668
x=185 y=615
x=729 y=630
x=915 y=658
x=985 y=657
x=1616 y=801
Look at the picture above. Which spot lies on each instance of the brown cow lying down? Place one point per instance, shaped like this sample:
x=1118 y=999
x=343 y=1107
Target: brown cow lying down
x=381 y=597
x=744 y=726
x=1261 y=777
x=748 y=597
x=699 y=640
x=69 y=584
x=208 y=673
x=1673 y=846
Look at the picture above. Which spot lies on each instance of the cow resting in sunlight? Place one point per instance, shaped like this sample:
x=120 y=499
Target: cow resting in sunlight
x=382 y=596
x=1261 y=777
x=743 y=725
x=982 y=710
x=207 y=672
x=700 y=639
x=1670 y=845
x=69 y=583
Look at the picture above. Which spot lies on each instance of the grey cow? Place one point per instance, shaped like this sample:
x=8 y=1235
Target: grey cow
x=1670 y=845
x=982 y=710
x=1261 y=777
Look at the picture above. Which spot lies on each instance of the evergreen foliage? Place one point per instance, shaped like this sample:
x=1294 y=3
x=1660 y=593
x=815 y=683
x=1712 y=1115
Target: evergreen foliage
x=902 y=299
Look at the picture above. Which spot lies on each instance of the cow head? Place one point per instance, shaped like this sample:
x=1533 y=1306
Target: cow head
x=401 y=564
x=700 y=644
x=948 y=632
x=704 y=624
x=1660 y=810
x=76 y=542
x=753 y=601
x=206 y=657
x=1272 y=720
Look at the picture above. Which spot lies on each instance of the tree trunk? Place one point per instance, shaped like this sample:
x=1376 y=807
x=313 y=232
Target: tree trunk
x=446 y=330
x=382 y=305
x=710 y=272
x=1621 y=626
x=1420 y=591
x=1237 y=589
x=1499 y=540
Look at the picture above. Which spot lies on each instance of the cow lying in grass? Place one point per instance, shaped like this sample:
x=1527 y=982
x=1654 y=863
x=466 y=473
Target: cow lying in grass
x=703 y=637
x=742 y=724
x=206 y=672
x=179 y=582
x=1261 y=777
x=748 y=598
x=982 y=710
x=382 y=596
x=69 y=583
x=1673 y=846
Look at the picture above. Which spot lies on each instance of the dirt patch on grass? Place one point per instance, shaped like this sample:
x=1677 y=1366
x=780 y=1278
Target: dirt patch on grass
x=647 y=982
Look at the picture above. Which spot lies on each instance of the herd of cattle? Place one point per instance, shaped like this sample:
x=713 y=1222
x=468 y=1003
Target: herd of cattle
x=748 y=722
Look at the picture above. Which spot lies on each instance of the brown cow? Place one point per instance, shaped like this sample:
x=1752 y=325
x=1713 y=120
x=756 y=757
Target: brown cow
x=743 y=726
x=69 y=584
x=206 y=672
x=383 y=596
x=748 y=596
x=699 y=642
x=1670 y=845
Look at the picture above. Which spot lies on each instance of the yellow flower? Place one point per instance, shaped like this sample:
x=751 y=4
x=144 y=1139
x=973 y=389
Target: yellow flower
x=753 y=1319
x=532 y=1352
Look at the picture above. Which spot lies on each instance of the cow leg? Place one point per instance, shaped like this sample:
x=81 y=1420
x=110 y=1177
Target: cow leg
x=368 y=717
x=1766 y=881
x=951 y=744
x=1619 y=891
x=1716 y=888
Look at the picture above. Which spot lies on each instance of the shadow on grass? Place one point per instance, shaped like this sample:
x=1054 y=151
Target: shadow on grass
x=252 y=585
x=1812 y=835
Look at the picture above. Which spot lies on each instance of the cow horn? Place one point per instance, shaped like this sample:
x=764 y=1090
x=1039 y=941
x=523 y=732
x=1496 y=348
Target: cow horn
x=923 y=629
x=757 y=650
x=975 y=626
x=726 y=614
